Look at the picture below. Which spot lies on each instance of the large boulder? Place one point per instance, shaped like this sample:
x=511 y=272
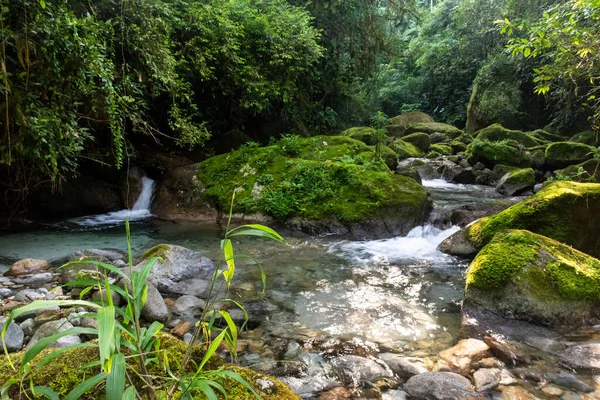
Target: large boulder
x=492 y=153
x=419 y=139
x=398 y=124
x=498 y=133
x=527 y=276
x=405 y=150
x=516 y=182
x=321 y=184
x=365 y=134
x=591 y=138
x=588 y=171
x=568 y=212
x=450 y=131
x=563 y=154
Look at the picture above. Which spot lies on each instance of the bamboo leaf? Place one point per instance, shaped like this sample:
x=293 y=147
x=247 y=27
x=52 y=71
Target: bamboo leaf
x=46 y=392
x=43 y=343
x=84 y=386
x=115 y=382
x=212 y=349
x=106 y=339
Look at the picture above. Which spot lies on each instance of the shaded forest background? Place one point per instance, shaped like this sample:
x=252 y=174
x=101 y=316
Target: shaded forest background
x=89 y=85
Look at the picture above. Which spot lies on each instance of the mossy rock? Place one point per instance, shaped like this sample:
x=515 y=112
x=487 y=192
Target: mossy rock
x=492 y=153
x=545 y=136
x=563 y=154
x=389 y=157
x=441 y=149
x=398 y=124
x=324 y=181
x=65 y=372
x=457 y=146
x=538 y=159
x=450 y=131
x=591 y=138
x=419 y=140
x=516 y=182
x=230 y=141
x=405 y=150
x=465 y=138
x=588 y=171
x=498 y=133
x=565 y=211
x=364 y=134
x=527 y=276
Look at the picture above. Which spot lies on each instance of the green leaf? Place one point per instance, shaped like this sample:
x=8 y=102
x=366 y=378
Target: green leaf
x=257 y=230
x=46 y=392
x=115 y=382
x=212 y=349
x=84 y=386
x=6 y=386
x=129 y=393
x=106 y=338
x=43 y=343
x=229 y=259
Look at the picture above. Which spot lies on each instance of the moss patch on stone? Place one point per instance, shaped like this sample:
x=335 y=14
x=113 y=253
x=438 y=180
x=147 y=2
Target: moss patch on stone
x=450 y=131
x=588 y=171
x=157 y=251
x=498 y=133
x=545 y=136
x=492 y=153
x=457 y=146
x=563 y=154
x=365 y=134
x=405 y=150
x=419 y=140
x=591 y=138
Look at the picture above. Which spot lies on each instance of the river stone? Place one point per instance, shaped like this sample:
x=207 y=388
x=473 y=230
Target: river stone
x=29 y=295
x=49 y=329
x=569 y=381
x=467 y=213
x=458 y=244
x=155 y=308
x=516 y=182
x=439 y=386
x=467 y=352
x=582 y=356
x=27 y=266
x=394 y=395
x=487 y=379
x=34 y=280
x=112 y=257
x=511 y=353
x=356 y=369
x=6 y=292
x=194 y=287
x=13 y=339
x=188 y=306
x=28 y=327
x=403 y=366
x=517 y=393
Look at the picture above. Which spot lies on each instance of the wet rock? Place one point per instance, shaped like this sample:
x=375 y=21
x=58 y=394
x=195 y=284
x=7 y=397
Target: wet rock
x=569 y=381
x=465 y=214
x=49 y=329
x=34 y=280
x=189 y=306
x=403 y=366
x=181 y=328
x=394 y=395
x=552 y=391
x=29 y=295
x=27 y=266
x=512 y=353
x=506 y=378
x=516 y=393
x=486 y=379
x=356 y=369
x=465 y=176
x=439 y=386
x=338 y=393
x=458 y=244
x=467 y=352
x=529 y=374
x=582 y=356
x=516 y=182
x=14 y=336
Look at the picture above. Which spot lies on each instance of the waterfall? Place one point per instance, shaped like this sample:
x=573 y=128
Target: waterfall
x=140 y=210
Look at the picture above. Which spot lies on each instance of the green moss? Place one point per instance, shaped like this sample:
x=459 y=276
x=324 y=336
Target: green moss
x=465 y=138
x=492 y=153
x=500 y=170
x=419 y=140
x=389 y=156
x=561 y=211
x=156 y=251
x=588 y=171
x=66 y=371
x=442 y=149
x=405 y=150
x=325 y=177
x=410 y=118
x=457 y=146
x=563 y=154
x=451 y=132
x=498 y=133
x=545 y=136
x=364 y=134
x=591 y=138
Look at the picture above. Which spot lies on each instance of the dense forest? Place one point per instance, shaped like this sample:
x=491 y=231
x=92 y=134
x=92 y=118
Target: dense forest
x=89 y=82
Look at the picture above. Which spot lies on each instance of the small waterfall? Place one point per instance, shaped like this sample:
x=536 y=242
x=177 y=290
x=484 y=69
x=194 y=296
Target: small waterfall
x=140 y=210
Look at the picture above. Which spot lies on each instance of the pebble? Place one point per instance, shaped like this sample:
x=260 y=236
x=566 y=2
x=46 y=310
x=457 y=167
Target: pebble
x=486 y=379
x=14 y=336
x=569 y=381
x=52 y=327
x=403 y=366
x=438 y=386
x=29 y=295
x=552 y=390
x=467 y=352
x=34 y=280
x=27 y=266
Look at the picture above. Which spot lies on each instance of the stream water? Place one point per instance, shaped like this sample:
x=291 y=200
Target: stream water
x=398 y=294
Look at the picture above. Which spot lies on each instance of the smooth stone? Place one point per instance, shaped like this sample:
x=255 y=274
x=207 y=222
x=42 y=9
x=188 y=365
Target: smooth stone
x=569 y=381
x=29 y=295
x=439 y=386
x=188 y=305
x=338 y=393
x=6 y=292
x=49 y=329
x=552 y=390
x=27 y=266
x=356 y=369
x=101 y=295
x=47 y=316
x=28 y=327
x=516 y=393
x=292 y=350
x=13 y=339
x=394 y=395
x=467 y=352
x=403 y=366
x=33 y=280
x=581 y=356
x=181 y=329
x=486 y=379
x=512 y=353
x=194 y=287
x=155 y=308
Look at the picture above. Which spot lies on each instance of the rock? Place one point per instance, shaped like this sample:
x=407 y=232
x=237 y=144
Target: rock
x=69 y=273
x=27 y=266
x=512 y=353
x=438 y=138
x=581 y=356
x=47 y=315
x=451 y=132
x=501 y=170
x=564 y=211
x=418 y=139
x=101 y=295
x=563 y=154
x=466 y=214
x=194 y=287
x=365 y=134
x=439 y=386
x=465 y=176
x=338 y=393
x=181 y=328
x=498 y=133
x=356 y=369
x=438 y=149
x=6 y=292
x=13 y=339
x=527 y=276
x=405 y=150
x=29 y=295
x=588 y=171
x=28 y=327
x=35 y=280
x=403 y=366
x=458 y=244
x=516 y=182
x=49 y=329
x=230 y=140
x=189 y=306
x=486 y=379
x=467 y=352
x=552 y=391
x=457 y=146
x=492 y=153
x=569 y=381
x=394 y=395
x=155 y=308
x=587 y=137
x=398 y=124
x=516 y=393
x=410 y=172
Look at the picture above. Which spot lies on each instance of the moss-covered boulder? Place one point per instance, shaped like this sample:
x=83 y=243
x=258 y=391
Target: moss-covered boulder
x=568 y=212
x=457 y=146
x=69 y=369
x=492 y=153
x=516 y=182
x=526 y=276
x=591 y=138
x=322 y=184
x=498 y=133
x=563 y=154
x=450 y=131
x=364 y=134
x=588 y=171
x=230 y=140
x=398 y=124
x=441 y=149
x=405 y=150
x=544 y=136
x=419 y=139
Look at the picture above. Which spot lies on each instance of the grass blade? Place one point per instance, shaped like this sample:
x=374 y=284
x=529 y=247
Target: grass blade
x=84 y=386
x=106 y=339
x=115 y=382
x=46 y=392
